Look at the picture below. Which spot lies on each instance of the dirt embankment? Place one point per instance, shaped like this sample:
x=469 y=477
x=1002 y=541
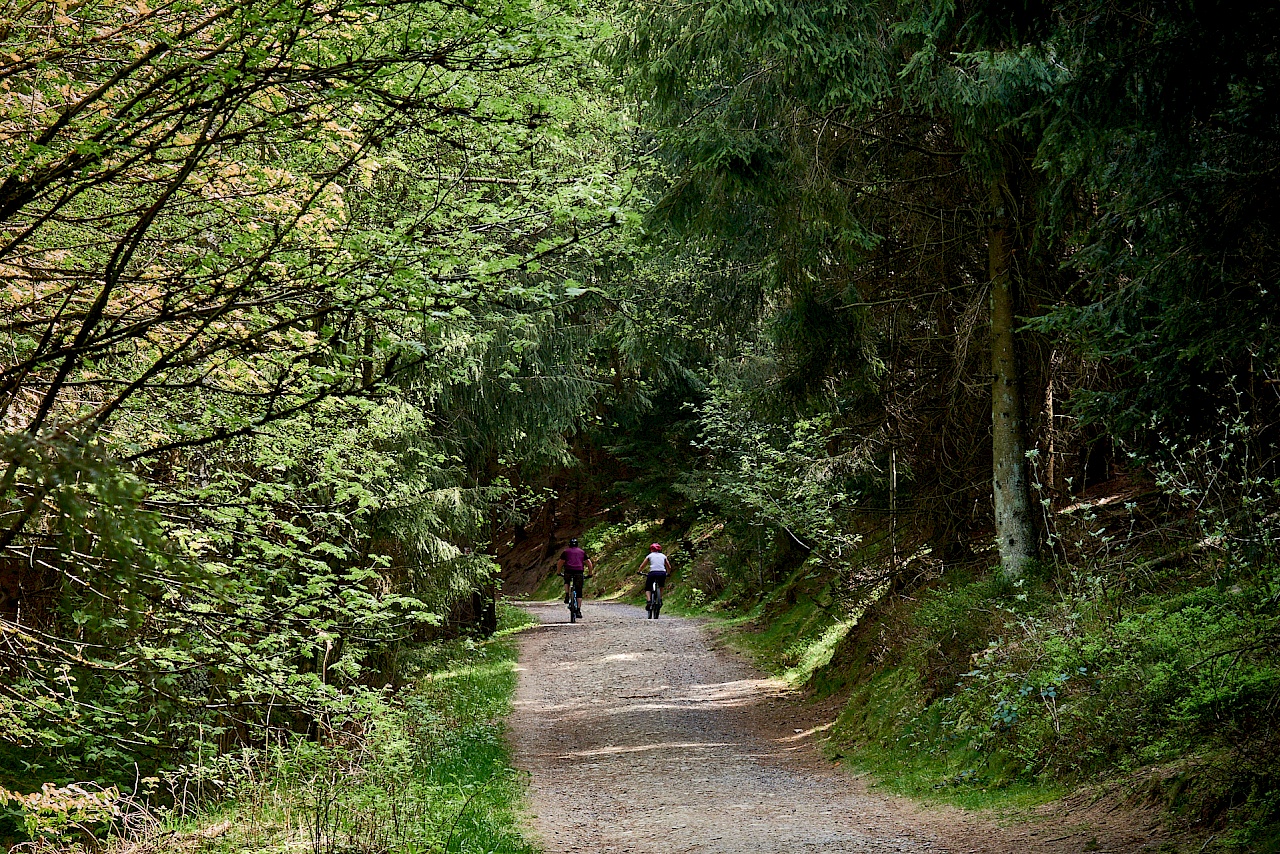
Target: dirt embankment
x=640 y=737
x=527 y=553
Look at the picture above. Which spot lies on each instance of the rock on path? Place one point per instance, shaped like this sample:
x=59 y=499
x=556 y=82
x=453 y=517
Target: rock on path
x=640 y=737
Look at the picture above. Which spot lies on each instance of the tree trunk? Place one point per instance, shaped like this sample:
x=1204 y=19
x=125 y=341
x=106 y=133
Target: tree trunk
x=1015 y=534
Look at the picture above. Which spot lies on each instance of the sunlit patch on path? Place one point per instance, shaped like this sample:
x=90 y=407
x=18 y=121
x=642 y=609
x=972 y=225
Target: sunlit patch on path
x=639 y=738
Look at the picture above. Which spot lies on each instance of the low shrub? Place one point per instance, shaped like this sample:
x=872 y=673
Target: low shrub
x=422 y=770
x=1040 y=684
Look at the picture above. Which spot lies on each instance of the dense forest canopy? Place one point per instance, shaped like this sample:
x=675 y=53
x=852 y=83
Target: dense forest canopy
x=280 y=279
x=305 y=303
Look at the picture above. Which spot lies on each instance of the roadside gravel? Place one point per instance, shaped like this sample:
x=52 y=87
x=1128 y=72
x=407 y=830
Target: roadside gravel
x=640 y=737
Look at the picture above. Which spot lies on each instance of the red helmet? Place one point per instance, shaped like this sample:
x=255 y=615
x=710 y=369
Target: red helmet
x=655 y=547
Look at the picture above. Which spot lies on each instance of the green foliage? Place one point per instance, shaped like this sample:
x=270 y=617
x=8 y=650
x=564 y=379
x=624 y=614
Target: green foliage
x=285 y=316
x=1061 y=690
x=298 y=298
x=64 y=812
x=844 y=160
x=433 y=773
x=1169 y=127
x=422 y=769
x=779 y=477
x=307 y=554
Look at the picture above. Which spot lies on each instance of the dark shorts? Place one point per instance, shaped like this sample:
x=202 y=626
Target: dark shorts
x=574 y=577
x=655 y=579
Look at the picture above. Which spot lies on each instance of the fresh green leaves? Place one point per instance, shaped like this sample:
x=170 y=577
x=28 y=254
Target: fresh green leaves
x=280 y=287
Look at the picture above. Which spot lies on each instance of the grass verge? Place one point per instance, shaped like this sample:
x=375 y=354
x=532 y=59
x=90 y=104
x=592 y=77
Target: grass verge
x=431 y=774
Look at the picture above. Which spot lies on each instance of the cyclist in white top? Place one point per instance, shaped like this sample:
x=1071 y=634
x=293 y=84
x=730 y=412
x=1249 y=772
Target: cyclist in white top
x=659 y=569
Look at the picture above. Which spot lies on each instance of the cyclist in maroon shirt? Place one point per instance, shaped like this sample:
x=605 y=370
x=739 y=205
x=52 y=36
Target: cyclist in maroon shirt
x=573 y=565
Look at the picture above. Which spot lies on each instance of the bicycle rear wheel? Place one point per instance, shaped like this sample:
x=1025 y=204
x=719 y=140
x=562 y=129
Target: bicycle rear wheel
x=657 y=601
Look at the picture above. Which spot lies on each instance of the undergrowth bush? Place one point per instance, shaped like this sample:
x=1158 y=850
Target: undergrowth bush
x=422 y=770
x=1150 y=638
x=1062 y=689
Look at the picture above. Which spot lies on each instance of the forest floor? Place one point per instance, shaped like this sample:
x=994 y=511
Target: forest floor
x=641 y=736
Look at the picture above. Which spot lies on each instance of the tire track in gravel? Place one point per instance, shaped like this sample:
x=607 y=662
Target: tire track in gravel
x=639 y=737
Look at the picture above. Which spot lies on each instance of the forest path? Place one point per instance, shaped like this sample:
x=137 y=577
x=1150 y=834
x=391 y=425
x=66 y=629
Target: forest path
x=641 y=737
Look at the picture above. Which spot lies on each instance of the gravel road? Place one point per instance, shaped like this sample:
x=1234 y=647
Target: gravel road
x=640 y=737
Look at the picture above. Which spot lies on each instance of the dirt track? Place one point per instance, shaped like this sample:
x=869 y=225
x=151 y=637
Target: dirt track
x=639 y=737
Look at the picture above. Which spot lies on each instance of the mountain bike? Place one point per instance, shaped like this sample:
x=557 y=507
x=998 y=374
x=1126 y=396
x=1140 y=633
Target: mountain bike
x=575 y=602
x=654 y=605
